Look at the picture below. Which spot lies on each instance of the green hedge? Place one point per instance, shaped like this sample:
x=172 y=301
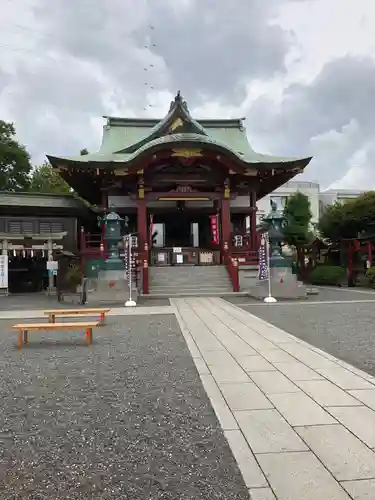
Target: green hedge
x=370 y=277
x=328 y=275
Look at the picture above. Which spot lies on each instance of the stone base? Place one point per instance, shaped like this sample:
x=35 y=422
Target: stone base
x=284 y=286
x=111 y=287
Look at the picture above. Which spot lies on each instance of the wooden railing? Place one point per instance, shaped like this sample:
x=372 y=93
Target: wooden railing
x=245 y=256
x=232 y=269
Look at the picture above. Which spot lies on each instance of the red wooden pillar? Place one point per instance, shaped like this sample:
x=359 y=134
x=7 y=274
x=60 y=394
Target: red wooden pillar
x=369 y=251
x=104 y=199
x=141 y=224
x=350 y=265
x=82 y=247
x=142 y=233
x=225 y=228
x=253 y=221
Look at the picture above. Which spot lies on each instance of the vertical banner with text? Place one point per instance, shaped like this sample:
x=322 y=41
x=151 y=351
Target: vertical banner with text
x=214 y=221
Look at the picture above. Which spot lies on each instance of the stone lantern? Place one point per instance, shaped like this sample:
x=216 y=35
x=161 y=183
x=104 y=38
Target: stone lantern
x=112 y=236
x=274 y=223
x=283 y=283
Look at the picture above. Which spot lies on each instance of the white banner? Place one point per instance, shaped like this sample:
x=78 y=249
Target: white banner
x=3 y=271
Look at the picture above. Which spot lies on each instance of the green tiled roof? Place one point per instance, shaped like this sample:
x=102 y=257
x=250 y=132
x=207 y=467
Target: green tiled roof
x=124 y=139
x=36 y=200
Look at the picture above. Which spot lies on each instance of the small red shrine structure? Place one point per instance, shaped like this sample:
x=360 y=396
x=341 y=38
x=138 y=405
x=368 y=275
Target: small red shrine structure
x=184 y=184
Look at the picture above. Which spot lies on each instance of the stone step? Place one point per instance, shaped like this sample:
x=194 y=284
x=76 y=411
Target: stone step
x=188 y=273
x=182 y=294
x=186 y=268
x=189 y=288
x=188 y=276
x=192 y=281
x=206 y=279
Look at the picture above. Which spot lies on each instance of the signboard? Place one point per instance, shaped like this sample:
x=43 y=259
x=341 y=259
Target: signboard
x=214 y=220
x=4 y=272
x=177 y=249
x=52 y=265
x=130 y=257
x=238 y=241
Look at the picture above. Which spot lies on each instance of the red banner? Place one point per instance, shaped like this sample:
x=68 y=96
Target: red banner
x=214 y=220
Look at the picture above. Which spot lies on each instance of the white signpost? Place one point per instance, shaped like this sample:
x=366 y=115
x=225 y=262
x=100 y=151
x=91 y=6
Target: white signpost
x=129 y=268
x=4 y=274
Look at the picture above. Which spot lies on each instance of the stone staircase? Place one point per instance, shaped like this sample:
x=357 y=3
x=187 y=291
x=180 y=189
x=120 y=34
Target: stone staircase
x=189 y=281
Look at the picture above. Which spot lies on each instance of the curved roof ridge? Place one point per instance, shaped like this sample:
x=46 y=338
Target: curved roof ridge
x=177 y=107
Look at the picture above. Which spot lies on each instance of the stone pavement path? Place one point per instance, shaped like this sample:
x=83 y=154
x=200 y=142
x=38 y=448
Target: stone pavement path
x=301 y=423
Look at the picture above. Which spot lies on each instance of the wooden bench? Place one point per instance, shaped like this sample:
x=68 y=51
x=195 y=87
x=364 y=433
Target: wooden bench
x=74 y=313
x=24 y=328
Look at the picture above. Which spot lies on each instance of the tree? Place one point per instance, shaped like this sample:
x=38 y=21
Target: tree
x=350 y=219
x=297 y=231
x=15 y=166
x=45 y=179
x=84 y=152
x=297 y=212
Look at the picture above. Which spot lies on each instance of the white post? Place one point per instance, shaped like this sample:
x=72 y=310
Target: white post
x=130 y=302
x=4 y=253
x=50 y=258
x=269 y=299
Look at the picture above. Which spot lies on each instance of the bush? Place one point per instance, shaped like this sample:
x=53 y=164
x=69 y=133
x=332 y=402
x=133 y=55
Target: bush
x=328 y=275
x=370 y=277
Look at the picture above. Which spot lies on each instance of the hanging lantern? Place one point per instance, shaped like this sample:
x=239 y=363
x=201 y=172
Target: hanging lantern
x=31 y=253
x=23 y=253
x=14 y=252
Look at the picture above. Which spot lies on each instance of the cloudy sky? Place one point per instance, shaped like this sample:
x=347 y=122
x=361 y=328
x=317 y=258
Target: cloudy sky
x=302 y=72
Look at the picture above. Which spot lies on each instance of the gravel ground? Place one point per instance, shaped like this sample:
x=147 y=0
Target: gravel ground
x=126 y=418
x=345 y=330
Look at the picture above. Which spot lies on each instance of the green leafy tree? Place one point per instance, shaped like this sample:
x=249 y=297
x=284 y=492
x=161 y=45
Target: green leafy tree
x=297 y=212
x=335 y=223
x=350 y=219
x=15 y=166
x=45 y=179
x=297 y=230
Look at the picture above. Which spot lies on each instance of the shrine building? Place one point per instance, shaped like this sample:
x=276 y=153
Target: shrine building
x=187 y=187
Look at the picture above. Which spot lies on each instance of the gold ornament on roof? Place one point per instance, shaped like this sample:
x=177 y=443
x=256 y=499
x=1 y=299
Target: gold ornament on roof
x=121 y=171
x=176 y=124
x=226 y=189
x=141 y=188
x=187 y=153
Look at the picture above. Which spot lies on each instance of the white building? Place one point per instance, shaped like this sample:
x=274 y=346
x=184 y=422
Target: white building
x=319 y=201
x=331 y=196
x=281 y=194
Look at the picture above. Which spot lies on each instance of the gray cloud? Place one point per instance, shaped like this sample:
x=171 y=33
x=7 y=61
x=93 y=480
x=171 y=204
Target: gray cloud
x=211 y=46
x=103 y=57
x=333 y=113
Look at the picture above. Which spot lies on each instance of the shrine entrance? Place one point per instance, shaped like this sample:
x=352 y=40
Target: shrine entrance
x=183 y=238
x=182 y=229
